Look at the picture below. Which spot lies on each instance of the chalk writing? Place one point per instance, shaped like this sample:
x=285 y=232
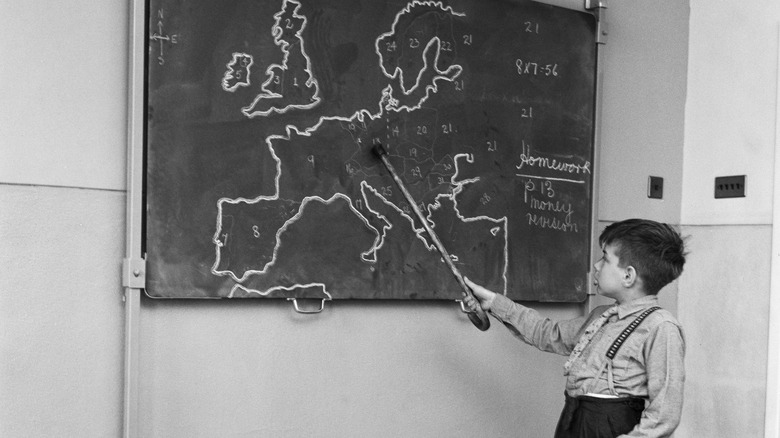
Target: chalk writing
x=535 y=68
x=553 y=223
x=549 y=212
x=527 y=159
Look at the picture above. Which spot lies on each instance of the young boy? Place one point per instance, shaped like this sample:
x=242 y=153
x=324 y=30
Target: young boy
x=625 y=377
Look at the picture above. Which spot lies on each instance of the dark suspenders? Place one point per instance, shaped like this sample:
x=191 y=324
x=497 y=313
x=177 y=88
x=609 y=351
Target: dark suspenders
x=628 y=330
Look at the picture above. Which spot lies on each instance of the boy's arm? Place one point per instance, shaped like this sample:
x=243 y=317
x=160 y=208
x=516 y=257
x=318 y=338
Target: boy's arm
x=543 y=333
x=525 y=323
x=664 y=354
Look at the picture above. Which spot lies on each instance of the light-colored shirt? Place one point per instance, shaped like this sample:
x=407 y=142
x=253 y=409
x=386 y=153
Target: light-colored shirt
x=648 y=365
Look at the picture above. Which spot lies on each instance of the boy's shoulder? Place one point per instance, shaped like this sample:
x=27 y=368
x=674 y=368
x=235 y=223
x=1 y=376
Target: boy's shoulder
x=655 y=318
x=661 y=316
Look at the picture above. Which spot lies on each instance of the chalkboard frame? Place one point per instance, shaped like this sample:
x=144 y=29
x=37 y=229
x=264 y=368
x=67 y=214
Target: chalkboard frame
x=134 y=271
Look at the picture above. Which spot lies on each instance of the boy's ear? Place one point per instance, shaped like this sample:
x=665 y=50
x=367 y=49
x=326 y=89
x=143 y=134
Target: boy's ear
x=629 y=276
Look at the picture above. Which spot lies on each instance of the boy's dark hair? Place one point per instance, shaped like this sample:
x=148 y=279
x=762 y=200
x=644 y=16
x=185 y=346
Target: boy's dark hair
x=654 y=249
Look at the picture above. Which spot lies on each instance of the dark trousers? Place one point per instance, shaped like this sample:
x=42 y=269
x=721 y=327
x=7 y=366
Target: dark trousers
x=593 y=417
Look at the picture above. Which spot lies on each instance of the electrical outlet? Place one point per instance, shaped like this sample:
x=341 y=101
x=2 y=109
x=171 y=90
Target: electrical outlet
x=655 y=187
x=730 y=186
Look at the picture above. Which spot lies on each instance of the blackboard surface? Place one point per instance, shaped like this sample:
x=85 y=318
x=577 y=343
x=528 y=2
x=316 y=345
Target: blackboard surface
x=260 y=180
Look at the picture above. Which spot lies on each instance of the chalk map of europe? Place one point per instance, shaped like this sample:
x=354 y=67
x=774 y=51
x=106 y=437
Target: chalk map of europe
x=261 y=130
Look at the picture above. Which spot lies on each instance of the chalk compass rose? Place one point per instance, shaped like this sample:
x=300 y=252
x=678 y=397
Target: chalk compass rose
x=161 y=38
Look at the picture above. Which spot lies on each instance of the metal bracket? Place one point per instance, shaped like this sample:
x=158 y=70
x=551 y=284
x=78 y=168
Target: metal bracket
x=593 y=4
x=599 y=7
x=134 y=273
x=301 y=310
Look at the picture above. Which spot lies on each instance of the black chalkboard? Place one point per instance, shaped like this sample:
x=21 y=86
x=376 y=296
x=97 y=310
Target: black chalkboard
x=260 y=181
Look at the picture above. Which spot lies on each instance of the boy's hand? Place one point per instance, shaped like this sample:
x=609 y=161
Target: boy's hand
x=484 y=296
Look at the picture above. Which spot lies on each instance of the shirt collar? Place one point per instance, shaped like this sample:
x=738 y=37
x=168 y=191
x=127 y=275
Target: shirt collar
x=634 y=306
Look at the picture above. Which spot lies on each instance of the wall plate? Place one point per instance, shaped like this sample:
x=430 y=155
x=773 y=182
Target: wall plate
x=730 y=186
x=655 y=187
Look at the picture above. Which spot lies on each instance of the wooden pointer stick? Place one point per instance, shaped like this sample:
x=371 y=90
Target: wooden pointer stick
x=478 y=318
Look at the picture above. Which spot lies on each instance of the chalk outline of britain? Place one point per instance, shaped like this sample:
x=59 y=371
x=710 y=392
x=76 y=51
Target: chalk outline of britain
x=386 y=103
x=284 y=46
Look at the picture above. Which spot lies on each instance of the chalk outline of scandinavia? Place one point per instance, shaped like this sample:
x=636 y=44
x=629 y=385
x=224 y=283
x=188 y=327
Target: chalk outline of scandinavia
x=283 y=46
x=457 y=188
x=308 y=132
x=398 y=71
x=229 y=72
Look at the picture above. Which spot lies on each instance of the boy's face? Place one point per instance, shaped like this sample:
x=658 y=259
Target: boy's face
x=608 y=276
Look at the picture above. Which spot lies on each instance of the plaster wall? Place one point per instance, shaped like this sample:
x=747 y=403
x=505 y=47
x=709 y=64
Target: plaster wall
x=730 y=129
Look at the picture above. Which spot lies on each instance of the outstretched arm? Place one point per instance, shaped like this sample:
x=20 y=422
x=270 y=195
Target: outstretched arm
x=526 y=323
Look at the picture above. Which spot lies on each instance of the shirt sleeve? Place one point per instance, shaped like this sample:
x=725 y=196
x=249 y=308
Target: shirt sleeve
x=543 y=333
x=664 y=355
